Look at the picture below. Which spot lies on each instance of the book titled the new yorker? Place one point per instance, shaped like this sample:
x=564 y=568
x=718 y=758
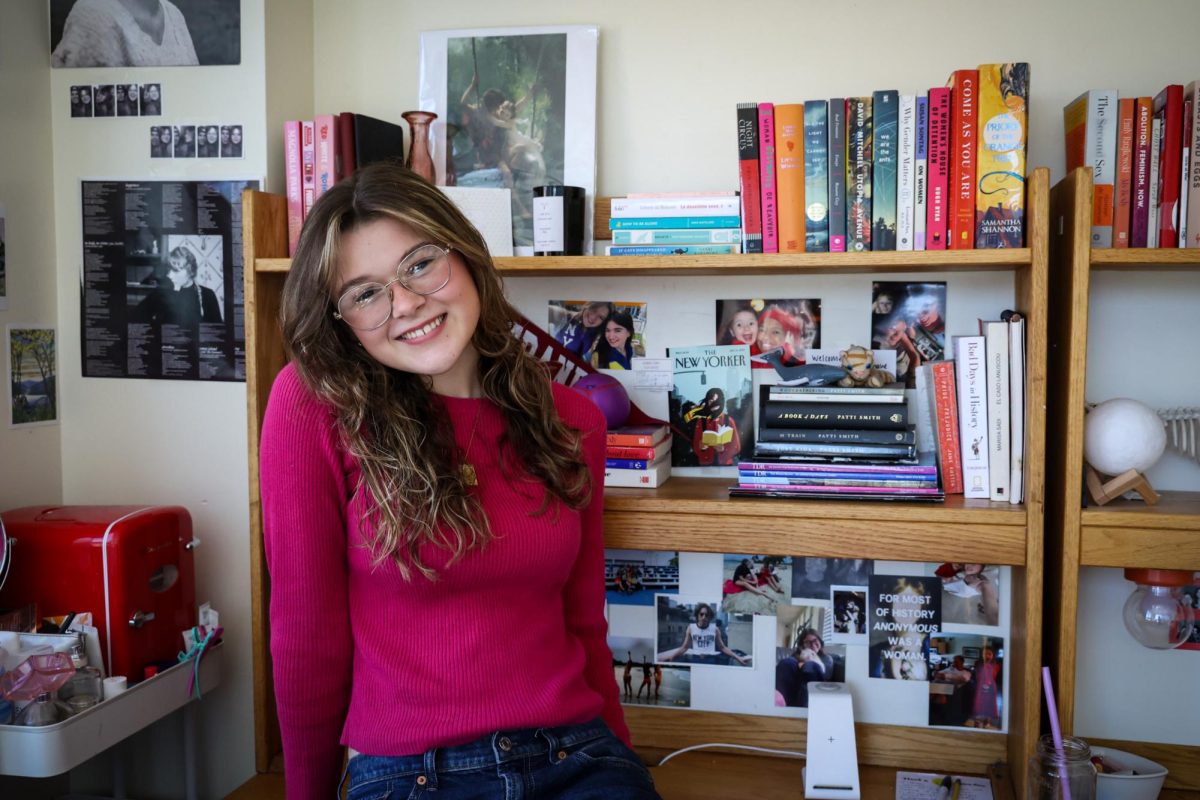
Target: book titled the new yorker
x=711 y=411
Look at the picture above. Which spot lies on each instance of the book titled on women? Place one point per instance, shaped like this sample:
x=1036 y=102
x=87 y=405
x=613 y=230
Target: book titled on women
x=711 y=411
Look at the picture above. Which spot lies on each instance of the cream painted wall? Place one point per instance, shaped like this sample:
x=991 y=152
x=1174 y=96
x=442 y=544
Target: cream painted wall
x=669 y=75
x=30 y=458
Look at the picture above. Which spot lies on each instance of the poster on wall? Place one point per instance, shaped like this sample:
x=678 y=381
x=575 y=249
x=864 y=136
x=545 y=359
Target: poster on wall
x=161 y=290
x=504 y=120
x=32 y=375
x=3 y=263
x=145 y=33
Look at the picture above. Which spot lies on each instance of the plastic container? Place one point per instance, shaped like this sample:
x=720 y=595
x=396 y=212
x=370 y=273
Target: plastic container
x=1145 y=785
x=37 y=675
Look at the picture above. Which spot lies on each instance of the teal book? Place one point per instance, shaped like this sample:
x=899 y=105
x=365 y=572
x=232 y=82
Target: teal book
x=884 y=170
x=676 y=236
x=710 y=406
x=671 y=249
x=816 y=176
x=632 y=223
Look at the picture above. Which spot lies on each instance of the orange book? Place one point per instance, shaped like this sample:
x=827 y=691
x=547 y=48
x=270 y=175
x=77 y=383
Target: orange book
x=789 y=176
x=964 y=116
x=946 y=423
x=1124 y=188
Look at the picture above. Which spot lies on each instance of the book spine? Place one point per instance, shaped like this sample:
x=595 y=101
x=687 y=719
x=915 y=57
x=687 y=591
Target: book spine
x=1168 y=106
x=1184 y=166
x=841 y=391
x=964 y=85
x=671 y=249
x=676 y=207
x=837 y=175
x=1089 y=123
x=939 y=169
x=1192 y=186
x=1002 y=130
x=678 y=236
x=766 y=172
x=662 y=195
x=648 y=454
x=998 y=408
x=945 y=402
x=858 y=174
x=1123 y=182
x=816 y=176
x=1155 y=189
x=646 y=223
x=323 y=132
x=650 y=478
x=921 y=181
x=866 y=416
x=837 y=489
x=760 y=477
x=345 y=164
x=969 y=367
x=1139 y=214
x=828 y=435
x=923 y=422
x=844 y=470
x=308 y=163
x=630 y=440
x=906 y=175
x=836 y=449
x=1016 y=385
x=293 y=182
x=627 y=463
x=831 y=397
x=748 y=179
x=885 y=124
x=789 y=176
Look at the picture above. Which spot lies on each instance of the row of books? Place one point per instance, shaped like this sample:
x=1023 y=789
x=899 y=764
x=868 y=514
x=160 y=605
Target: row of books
x=836 y=442
x=320 y=152
x=971 y=413
x=639 y=456
x=675 y=224
x=943 y=170
x=1145 y=158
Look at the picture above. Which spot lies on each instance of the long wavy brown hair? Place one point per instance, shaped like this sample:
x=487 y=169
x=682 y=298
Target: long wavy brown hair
x=388 y=419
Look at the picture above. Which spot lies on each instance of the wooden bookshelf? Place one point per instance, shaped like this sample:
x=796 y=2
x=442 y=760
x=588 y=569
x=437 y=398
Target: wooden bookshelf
x=1122 y=533
x=697 y=514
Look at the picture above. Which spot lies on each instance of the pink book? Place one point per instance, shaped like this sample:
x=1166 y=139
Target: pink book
x=937 y=199
x=850 y=489
x=295 y=202
x=308 y=163
x=325 y=131
x=766 y=168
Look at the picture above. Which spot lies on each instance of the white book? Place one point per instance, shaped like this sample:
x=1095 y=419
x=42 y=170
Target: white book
x=998 y=406
x=652 y=477
x=1152 y=200
x=925 y=419
x=969 y=366
x=1097 y=110
x=921 y=174
x=906 y=172
x=1190 y=188
x=711 y=206
x=1016 y=386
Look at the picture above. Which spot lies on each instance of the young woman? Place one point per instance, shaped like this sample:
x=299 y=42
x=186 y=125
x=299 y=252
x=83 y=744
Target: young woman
x=432 y=521
x=702 y=641
x=615 y=350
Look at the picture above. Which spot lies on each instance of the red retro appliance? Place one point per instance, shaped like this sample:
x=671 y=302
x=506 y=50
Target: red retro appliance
x=131 y=566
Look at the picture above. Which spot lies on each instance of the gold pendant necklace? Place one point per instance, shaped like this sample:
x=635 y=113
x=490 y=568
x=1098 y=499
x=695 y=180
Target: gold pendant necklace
x=466 y=469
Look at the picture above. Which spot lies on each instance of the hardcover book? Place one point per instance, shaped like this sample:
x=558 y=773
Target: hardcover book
x=1139 y=212
x=1123 y=192
x=325 y=132
x=637 y=435
x=906 y=175
x=1192 y=170
x=996 y=352
x=1000 y=160
x=293 y=182
x=1090 y=126
x=970 y=372
x=711 y=396
x=816 y=176
x=837 y=175
x=766 y=435
x=885 y=157
x=748 y=177
x=789 y=176
x=864 y=416
x=964 y=98
x=376 y=140
x=1016 y=386
x=939 y=169
x=1168 y=109
x=921 y=181
x=766 y=176
x=945 y=412
x=1155 y=186
x=859 y=160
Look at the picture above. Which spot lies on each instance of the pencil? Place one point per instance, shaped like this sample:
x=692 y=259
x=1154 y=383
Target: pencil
x=956 y=790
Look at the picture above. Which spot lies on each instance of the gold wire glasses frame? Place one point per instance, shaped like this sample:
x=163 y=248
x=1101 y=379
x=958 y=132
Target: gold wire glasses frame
x=423 y=271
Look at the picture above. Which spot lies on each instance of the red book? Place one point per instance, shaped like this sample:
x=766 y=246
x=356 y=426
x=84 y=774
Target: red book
x=637 y=436
x=345 y=165
x=964 y=87
x=1168 y=107
x=1139 y=202
x=766 y=176
x=946 y=421
x=937 y=201
x=1124 y=178
x=748 y=177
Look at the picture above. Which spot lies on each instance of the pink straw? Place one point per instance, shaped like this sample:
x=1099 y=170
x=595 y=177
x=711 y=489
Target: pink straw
x=1056 y=732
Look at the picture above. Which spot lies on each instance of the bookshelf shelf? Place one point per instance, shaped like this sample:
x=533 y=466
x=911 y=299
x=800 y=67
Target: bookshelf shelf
x=1110 y=259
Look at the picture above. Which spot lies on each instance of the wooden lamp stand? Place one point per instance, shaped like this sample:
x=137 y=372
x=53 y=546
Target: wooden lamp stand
x=1104 y=491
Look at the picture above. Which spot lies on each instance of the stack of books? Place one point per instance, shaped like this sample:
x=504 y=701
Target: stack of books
x=939 y=170
x=839 y=442
x=1145 y=163
x=675 y=224
x=638 y=455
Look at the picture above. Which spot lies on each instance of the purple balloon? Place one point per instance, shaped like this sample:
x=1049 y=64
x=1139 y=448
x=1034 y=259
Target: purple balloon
x=608 y=394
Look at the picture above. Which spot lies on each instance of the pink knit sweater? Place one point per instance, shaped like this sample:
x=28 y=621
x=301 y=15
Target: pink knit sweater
x=509 y=637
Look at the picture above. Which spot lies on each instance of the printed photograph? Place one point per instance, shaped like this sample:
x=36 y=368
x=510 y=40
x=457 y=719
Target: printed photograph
x=801 y=655
x=1190 y=597
x=145 y=33
x=909 y=318
x=32 y=375
x=231 y=141
x=693 y=631
x=608 y=334
x=970 y=593
x=849 y=614
x=185 y=141
x=104 y=103
x=81 y=101
x=967 y=685
x=151 y=102
x=161 y=142
x=127 y=99
x=812 y=577
x=208 y=144
x=710 y=406
x=756 y=584
x=775 y=330
x=186 y=288
x=905 y=611
x=634 y=577
x=643 y=682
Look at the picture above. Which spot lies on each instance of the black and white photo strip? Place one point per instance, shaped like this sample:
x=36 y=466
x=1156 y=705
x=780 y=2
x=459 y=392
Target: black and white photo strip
x=196 y=141
x=117 y=100
x=918 y=643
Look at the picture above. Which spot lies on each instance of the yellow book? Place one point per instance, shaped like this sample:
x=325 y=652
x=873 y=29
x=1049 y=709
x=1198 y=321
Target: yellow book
x=1000 y=165
x=719 y=437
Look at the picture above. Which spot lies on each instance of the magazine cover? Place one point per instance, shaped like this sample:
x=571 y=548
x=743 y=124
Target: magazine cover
x=905 y=612
x=711 y=406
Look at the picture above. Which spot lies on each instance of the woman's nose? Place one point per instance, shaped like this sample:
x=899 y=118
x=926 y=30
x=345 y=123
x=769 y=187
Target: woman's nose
x=404 y=300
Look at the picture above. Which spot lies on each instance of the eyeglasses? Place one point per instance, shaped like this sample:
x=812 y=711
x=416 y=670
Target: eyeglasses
x=367 y=306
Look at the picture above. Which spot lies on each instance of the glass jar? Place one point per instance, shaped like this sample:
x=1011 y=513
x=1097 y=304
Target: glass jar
x=41 y=711
x=1050 y=772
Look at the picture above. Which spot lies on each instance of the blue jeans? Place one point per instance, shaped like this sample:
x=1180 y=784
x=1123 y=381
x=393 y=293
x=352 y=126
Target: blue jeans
x=575 y=762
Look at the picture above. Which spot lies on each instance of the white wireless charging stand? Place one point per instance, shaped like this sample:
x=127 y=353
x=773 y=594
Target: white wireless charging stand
x=831 y=767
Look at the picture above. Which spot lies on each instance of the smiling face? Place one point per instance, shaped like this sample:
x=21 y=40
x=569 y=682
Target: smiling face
x=152 y=92
x=812 y=642
x=594 y=315
x=744 y=327
x=212 y=134
x=235 y=136
x=426 y=334
x=617 y=335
